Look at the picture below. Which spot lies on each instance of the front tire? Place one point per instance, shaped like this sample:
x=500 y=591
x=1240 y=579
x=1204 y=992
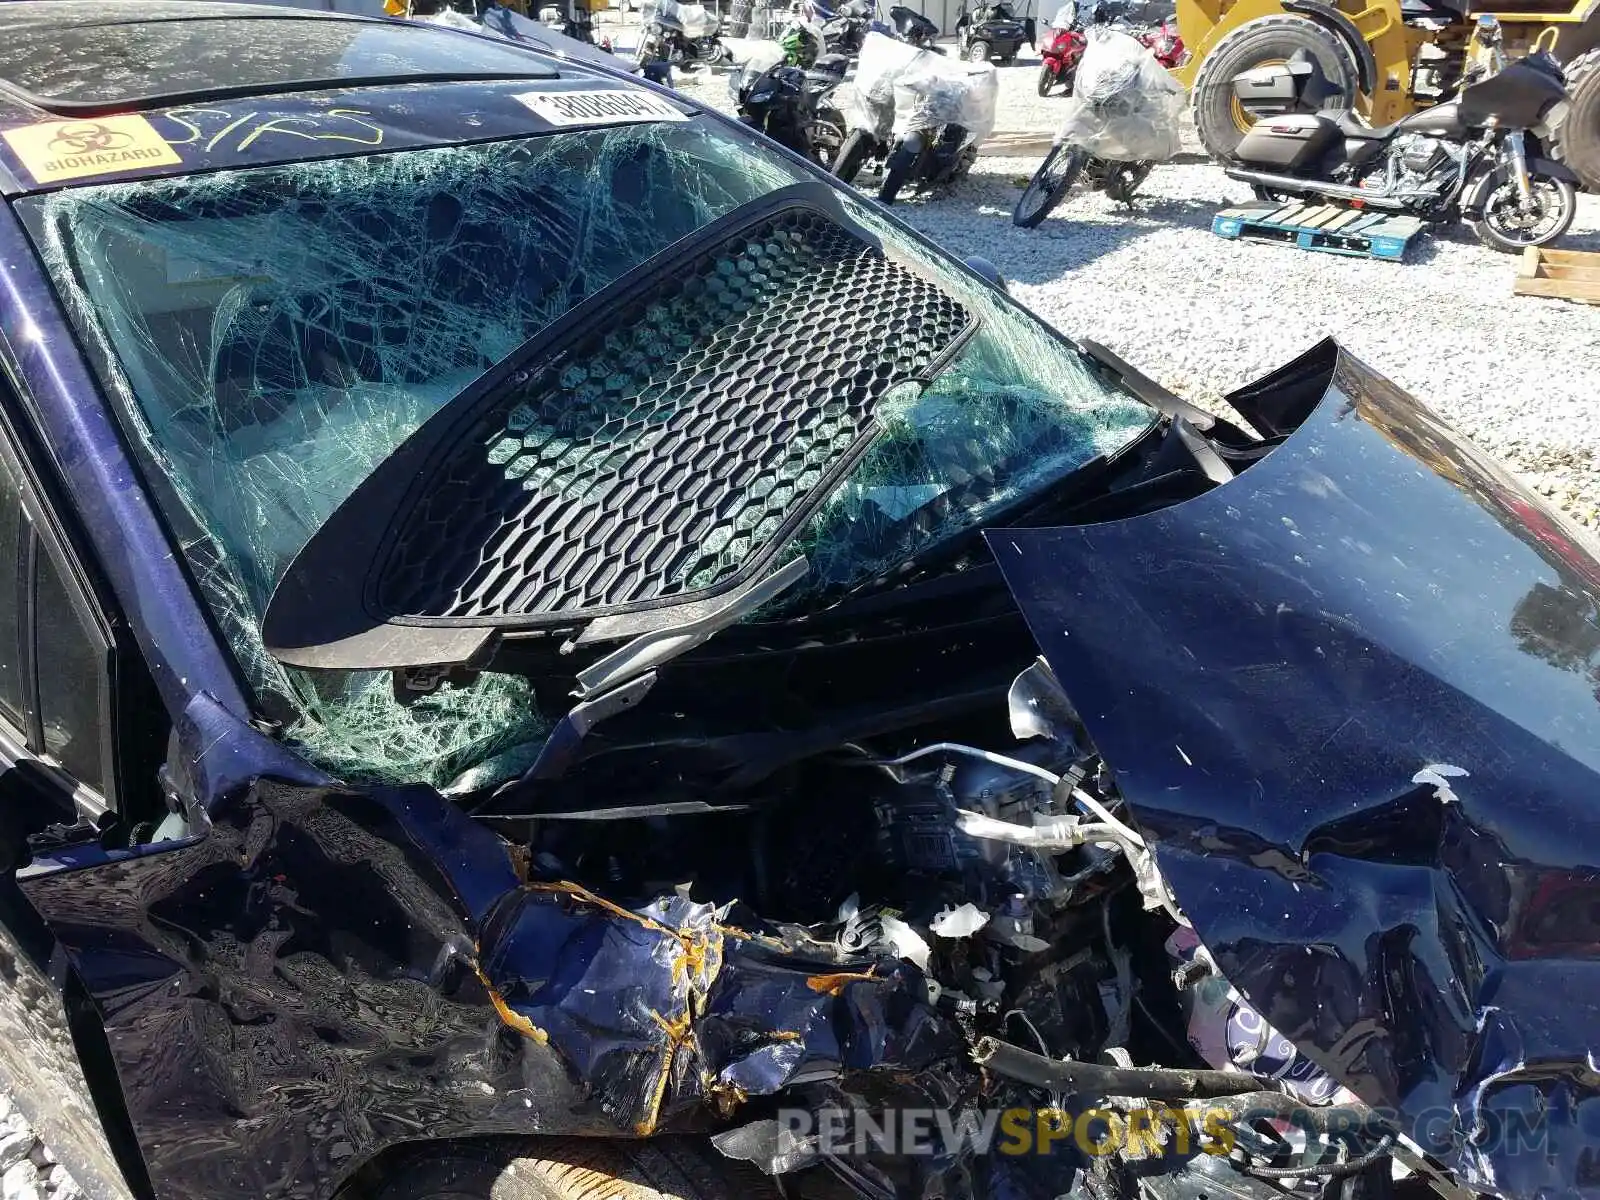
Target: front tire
x=853 y=153
x=978 y=51
x=1052 y=181
x=1219 y=118
x=1502 y=226
x=900 y=167
x=1047 y=80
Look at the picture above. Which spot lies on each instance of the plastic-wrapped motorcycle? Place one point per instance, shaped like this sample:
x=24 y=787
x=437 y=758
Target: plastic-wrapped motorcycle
x=1121 y=119
x=917 y=115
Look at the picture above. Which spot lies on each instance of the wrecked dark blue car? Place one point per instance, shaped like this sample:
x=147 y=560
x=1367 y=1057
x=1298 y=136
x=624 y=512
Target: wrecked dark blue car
x=553 y=651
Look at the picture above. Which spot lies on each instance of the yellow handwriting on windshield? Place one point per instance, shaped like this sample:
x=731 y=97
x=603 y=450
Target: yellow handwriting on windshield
x=213 y=127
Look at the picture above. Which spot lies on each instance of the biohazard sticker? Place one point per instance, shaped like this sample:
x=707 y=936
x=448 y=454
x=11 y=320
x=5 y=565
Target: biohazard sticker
x=60 y=150
x=599 y=108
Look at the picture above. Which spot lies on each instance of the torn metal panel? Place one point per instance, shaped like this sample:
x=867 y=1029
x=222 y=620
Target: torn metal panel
x=327 y=974
x=671 y=1014
x=39 y=1065
x=1283 y=671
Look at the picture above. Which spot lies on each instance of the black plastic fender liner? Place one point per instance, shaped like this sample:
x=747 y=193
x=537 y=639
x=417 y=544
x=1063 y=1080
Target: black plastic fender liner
x=1326 y=14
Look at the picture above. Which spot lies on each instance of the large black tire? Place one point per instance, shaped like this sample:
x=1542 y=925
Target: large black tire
x=1053 y=180
x=977 y=51
x=1047 y=79
x=853 y=153
x=1577 y=142
x=898 y=170
x=1218 y=119
x=572 y=1169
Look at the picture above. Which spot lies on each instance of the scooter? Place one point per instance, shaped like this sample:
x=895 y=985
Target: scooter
x=574 y=21
x=1478 y=158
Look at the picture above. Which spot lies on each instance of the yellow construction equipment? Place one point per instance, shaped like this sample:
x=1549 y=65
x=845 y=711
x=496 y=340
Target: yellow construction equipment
x=1389 y=57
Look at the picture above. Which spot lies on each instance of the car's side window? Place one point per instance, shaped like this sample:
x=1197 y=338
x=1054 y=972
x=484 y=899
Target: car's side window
x=55 y=661
x=73 y=676
x=11 y=600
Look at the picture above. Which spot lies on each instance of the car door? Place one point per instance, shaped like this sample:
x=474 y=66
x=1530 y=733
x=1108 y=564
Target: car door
x=58 y=770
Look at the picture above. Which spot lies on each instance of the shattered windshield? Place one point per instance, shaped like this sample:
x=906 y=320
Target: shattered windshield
x=273 y=334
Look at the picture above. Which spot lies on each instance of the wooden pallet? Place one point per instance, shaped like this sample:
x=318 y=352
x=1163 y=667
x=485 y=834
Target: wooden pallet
x=1563 y=274
x=1012 y=144
x=1331 y=228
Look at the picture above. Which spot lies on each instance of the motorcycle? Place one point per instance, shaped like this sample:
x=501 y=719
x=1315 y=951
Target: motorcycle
x=680 y=33
x=916 y=115
x=1122 y=118
x=913 y=27
x=1478 y=158
x=992 y=32
x=844 y=28
x=789 y=104
x=573 y=21
x=1062 y=53
x=1166 y=43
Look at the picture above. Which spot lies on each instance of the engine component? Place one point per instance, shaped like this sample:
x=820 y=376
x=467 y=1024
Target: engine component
x=1229 y=1034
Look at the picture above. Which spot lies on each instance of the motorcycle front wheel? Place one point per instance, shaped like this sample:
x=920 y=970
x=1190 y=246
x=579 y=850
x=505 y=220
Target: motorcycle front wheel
x=1047 y=79
x=901 y=166
x=1506 y=226
x=852 y=154
x=1050 y=183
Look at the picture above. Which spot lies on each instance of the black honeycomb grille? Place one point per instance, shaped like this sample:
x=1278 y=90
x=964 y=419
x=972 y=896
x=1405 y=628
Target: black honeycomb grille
x=662 y=453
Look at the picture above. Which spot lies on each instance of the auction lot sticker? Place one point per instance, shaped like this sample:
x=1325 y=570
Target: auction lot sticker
x=599 y=108
x=61 y=150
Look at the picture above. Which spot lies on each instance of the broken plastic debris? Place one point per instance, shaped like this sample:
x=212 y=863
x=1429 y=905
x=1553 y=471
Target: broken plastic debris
x=1438 y=776
x=960 y=922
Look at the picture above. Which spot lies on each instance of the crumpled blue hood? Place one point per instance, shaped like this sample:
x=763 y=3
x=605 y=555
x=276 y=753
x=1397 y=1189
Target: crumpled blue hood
x=1353 y=695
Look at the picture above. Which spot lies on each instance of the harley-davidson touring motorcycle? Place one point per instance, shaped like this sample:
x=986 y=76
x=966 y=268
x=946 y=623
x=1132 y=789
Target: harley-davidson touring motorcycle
x=680 y=33
x=1479 y=158
x=1122 y=118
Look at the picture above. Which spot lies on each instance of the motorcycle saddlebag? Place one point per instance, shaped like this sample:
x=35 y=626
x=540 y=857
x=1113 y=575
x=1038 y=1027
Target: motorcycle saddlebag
x=1288 y=143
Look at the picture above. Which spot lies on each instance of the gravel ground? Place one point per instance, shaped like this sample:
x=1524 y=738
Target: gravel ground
x=1203 y=315
x=28 y=1171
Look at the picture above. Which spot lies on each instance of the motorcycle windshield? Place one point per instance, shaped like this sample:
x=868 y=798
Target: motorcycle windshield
x=1353 y=698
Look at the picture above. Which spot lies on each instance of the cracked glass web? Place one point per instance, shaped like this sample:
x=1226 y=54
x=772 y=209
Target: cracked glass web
x=1016 y=411
x=277 y=332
